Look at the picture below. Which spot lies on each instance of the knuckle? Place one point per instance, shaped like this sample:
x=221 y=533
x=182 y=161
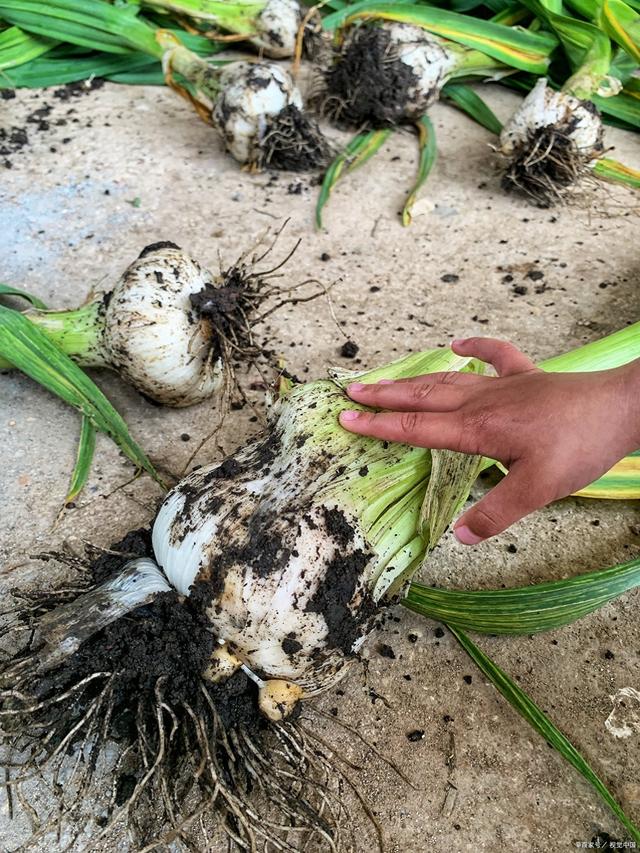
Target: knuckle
x=408 y=423
x=421 y=392
x=450 y=378
x=487 y=521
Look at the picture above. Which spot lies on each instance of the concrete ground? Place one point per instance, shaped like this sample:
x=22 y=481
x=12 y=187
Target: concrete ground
x=131 y=166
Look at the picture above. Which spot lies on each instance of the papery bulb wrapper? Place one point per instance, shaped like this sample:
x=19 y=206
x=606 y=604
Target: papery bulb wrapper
x=544 y=107
x=275 y=545
x=277 y=28
x=152 y=333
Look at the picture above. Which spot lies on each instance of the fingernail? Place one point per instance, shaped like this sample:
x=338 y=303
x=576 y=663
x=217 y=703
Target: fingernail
x=456 y=342
x=465 y=535
x=355 y=386
x=349 y=415
x=385 y=381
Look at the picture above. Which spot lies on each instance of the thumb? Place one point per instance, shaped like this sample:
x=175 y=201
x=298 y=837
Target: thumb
x=508 y=502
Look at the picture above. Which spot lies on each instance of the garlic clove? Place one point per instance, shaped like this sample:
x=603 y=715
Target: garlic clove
x=277 y=699
x=222 y=665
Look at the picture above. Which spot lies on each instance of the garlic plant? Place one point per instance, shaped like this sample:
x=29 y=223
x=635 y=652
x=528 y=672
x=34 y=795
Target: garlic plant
x=265 y=576
x=553 y=139
x=388 y=73
x=270 y=25
x=169 y=327
x=180 y=674
x=256 y=106
x=556 y=137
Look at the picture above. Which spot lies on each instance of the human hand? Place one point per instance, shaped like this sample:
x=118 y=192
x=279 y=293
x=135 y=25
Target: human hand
x=555 y=432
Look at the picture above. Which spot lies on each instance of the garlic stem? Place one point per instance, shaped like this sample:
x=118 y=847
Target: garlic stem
x=77 y=332
x=270 y=25
x=67 y=627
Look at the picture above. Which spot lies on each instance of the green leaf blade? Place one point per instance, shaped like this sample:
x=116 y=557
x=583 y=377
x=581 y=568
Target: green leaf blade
x=90 y=23
x=622 y=482
x=28 y=349
x=428 y=155
x=9 y=290
x=18 y=47
x=617 y=173
x=469 y=102
x=524 y=610
x=622 y=25
x=361 y=148
x=84 y=458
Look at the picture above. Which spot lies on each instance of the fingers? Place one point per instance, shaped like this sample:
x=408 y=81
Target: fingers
x=505 y=357
x=437 y=431
x=513 y=498
x=447 y=377
x=409 y=397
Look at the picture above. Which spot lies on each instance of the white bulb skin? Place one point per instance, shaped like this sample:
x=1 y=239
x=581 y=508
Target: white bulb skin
x=429 y=60
x=250 y=94
x=544 y=107
x=288 y=575
x=277 y=28
x=153 y=336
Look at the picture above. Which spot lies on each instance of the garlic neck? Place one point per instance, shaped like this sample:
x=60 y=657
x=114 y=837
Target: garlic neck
x=77 y=332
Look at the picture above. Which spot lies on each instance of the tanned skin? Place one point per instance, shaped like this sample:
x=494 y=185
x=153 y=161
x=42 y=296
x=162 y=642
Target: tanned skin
x=555 y=432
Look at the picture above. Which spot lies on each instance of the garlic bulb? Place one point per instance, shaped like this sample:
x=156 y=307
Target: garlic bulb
x=551 y=140
x=155 y=327
x=427 y=58
x=256 y=107
x=277 y=27
x=259 y=112
x=152 y=332
x=278 y=544
x=387 y=74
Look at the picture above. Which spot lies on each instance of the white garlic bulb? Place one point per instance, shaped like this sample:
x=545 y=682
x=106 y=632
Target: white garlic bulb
x=277 y=27
x=578 y=120
x=278 y=546
x=154 y=327
x=253 y=98
x=387 y=74
x=429 y=60
x=552 y=141
x=152 y=333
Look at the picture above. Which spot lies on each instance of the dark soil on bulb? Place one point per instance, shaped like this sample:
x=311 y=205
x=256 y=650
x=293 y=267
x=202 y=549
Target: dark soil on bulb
x=168 y=639
x=546 y=167
x=229 y=305
x=235 y=303
x=294 y=143
x=366 y=87
x=336 y=593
